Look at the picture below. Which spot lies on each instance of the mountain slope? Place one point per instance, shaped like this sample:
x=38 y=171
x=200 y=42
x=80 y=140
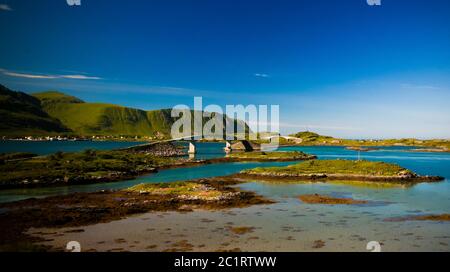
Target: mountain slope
x=106 y=119
x=22 y=115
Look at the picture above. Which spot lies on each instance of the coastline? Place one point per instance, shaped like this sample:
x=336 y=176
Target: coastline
x=337 y=177
x=118 y=176
x=128 y=211
x=84 y=209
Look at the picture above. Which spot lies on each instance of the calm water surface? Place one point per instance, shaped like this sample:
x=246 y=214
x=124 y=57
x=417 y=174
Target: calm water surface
x=289 y=224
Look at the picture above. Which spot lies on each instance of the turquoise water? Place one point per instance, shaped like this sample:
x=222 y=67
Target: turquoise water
x=288 y=224
x=47 y=147
x=207 y=150
x=420 y=162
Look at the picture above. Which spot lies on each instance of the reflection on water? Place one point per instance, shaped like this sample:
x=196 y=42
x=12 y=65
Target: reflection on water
x=289 y=224
x=422 y=163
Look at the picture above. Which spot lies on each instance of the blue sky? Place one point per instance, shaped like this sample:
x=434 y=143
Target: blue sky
x=342 y=68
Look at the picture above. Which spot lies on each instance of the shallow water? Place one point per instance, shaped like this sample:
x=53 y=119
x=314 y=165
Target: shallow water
x=289 y=224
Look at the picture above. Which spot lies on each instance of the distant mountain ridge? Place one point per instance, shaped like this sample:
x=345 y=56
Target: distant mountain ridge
x=22 y=114
x=71 y=115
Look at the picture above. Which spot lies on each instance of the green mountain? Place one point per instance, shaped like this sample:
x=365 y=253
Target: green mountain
x=52 y=112
x=22 y=115
x=98 y=118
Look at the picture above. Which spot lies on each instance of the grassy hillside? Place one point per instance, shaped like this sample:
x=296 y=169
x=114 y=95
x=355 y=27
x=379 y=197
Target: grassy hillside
x=22 y=115
x=55 y=97
x=106 y=119
x=311 y=137
x=103 y=119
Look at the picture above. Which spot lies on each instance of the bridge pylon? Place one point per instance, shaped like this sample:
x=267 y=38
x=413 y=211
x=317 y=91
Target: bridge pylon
x=192 y=147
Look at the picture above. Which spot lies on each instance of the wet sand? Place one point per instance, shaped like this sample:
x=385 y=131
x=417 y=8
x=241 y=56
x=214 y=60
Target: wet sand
x=288 y=225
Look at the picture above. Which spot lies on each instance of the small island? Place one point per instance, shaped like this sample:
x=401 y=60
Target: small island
x=81 y=209
x=95 y=166
x=342 y=170
x=328 y=200
x=89 y=166
x=266 y=157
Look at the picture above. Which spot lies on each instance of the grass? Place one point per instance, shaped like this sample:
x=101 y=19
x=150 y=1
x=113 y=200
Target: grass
x=55 y=113
x=328 y=200
x=89 y=119
x=366 y=168
x=188 y=189
x=22 y=114
x=15 y=156
x=269 y=155
x=52 y=97
x=312 y=139
x=104 y=119
x=81 y=165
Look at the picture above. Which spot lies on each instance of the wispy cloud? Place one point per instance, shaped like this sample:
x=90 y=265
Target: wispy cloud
x=47 y=76
x=32 y=76
x=5 y=7
x=261 y=75
x=79 y=77
x=419 y=87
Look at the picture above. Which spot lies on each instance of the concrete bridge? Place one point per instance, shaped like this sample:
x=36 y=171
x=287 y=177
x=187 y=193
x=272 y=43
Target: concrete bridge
x=288 y=138
x=241 y=145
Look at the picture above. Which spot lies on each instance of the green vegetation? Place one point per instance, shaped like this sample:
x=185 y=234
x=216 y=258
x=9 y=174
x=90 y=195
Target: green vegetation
x=54 y=113
x=89 y=119
x=295 y=155
x=22 y=115
x=343 y=167
x=55 y=97
x=328 y=200
x=87 y=166
x=104 y=119
x=311 y=137
x=442 y=144
x=15 y=156
x=180 y=189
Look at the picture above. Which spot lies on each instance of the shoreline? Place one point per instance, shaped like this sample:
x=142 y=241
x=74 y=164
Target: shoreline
x=336 y=177
x=117 y=176
x=79 y=210
x=84 y=209
x=187 y=163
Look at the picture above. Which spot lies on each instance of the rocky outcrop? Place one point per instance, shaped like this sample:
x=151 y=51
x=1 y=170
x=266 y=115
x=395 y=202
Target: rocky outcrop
x=245 y=146
x=406 y=178
x=159 y=149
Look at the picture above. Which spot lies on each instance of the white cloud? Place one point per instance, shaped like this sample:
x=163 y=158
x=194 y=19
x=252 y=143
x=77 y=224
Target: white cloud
x=79 y=77
x=261 y=75
x=5 y=7
x=41 y=76
x=28 y=75
x=419 y=87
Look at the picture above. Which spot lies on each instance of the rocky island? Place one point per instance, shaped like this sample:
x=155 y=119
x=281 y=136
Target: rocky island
x=81 y=209
x=93 y=166
x=265 y=157
x=89 y=166
x=342 y=170
x=328 y=200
